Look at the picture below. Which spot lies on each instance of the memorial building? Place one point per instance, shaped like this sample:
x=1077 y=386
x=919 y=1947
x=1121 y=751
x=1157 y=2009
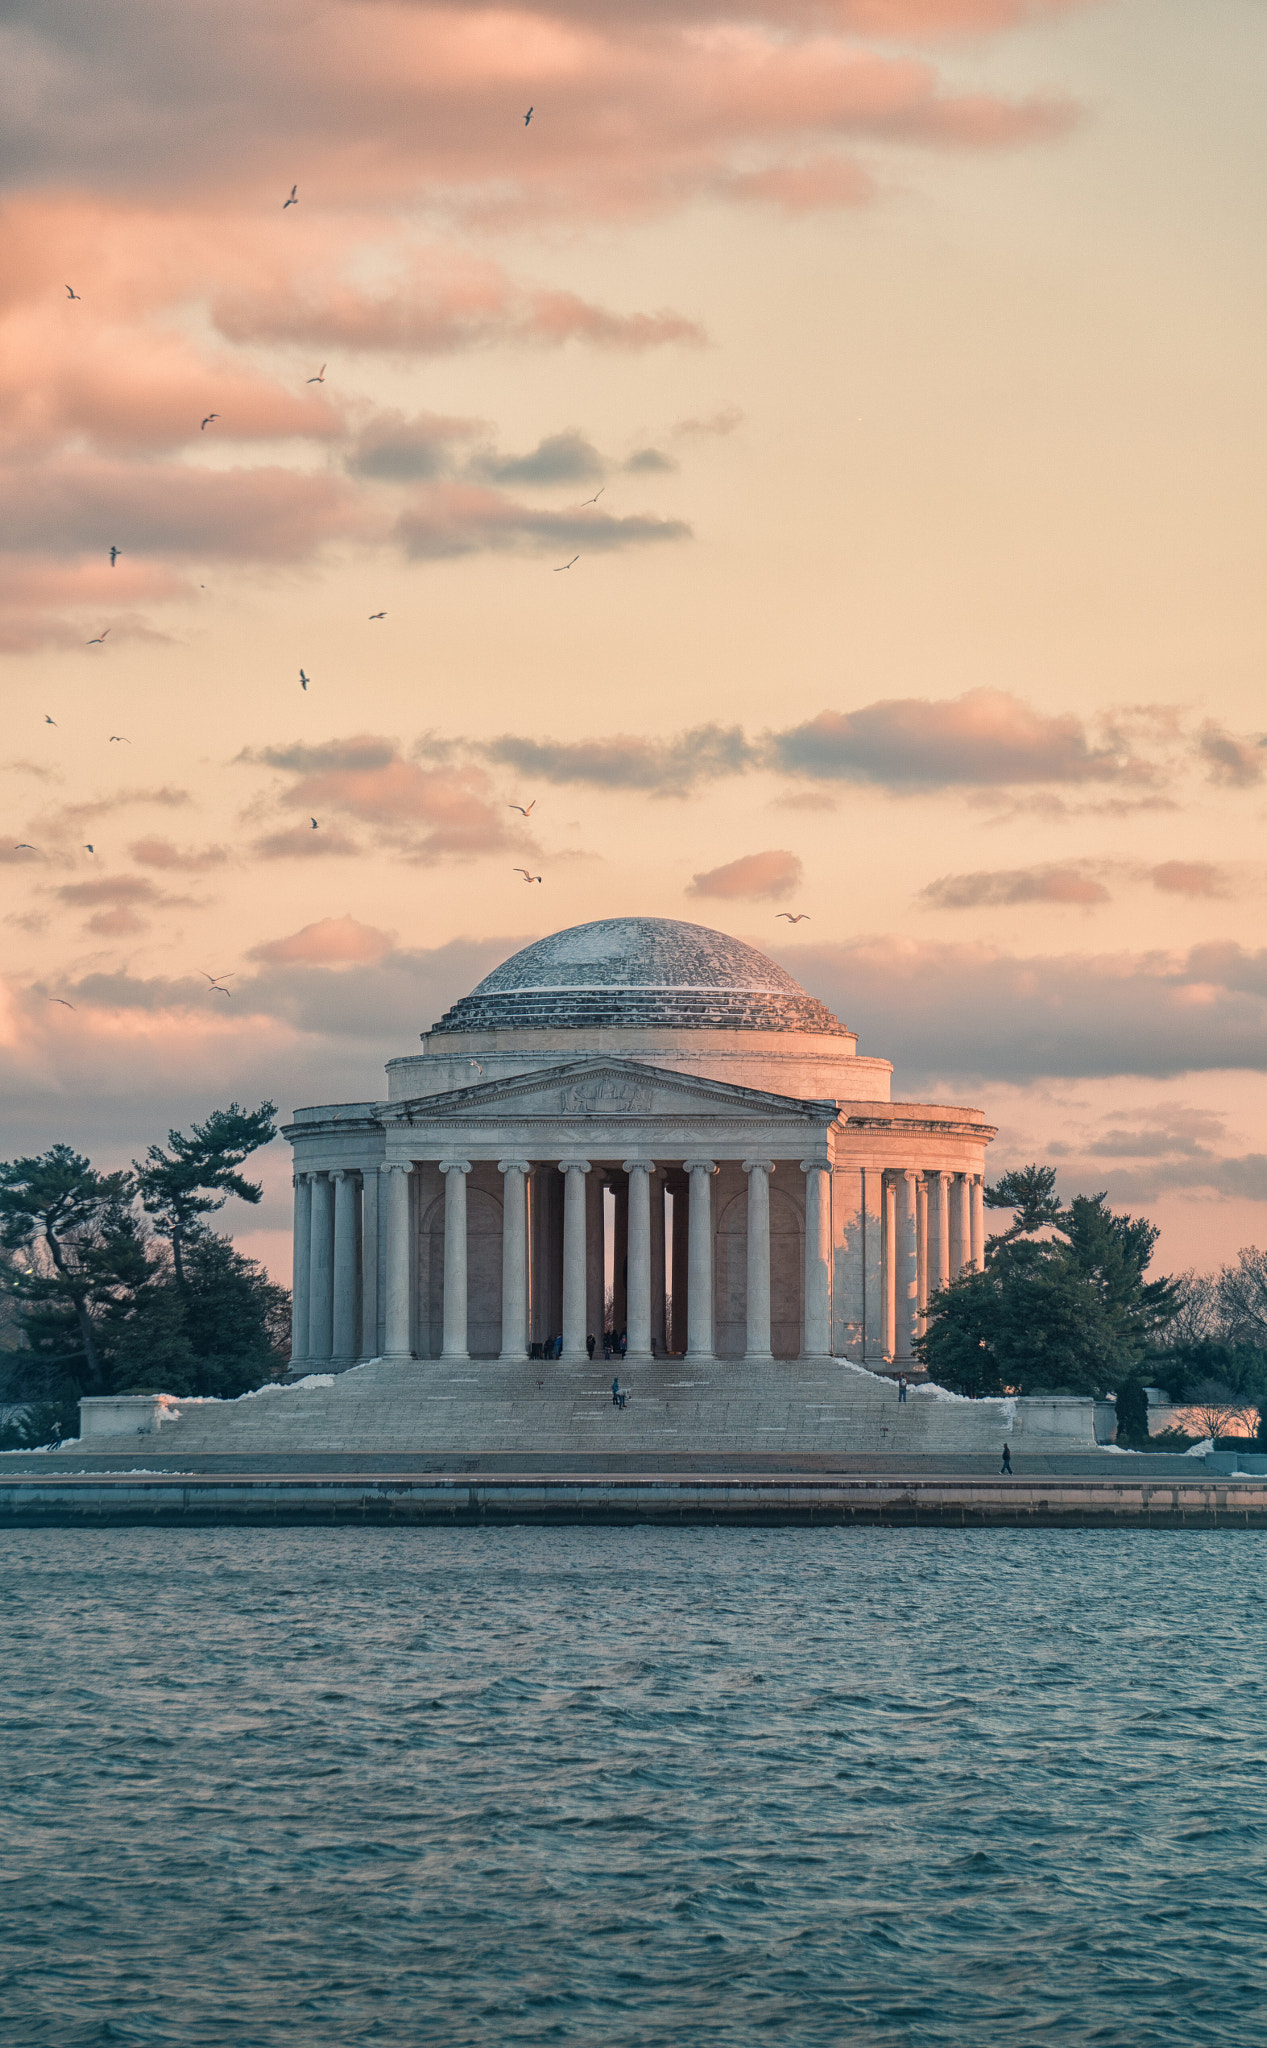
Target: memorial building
x=644 y=1109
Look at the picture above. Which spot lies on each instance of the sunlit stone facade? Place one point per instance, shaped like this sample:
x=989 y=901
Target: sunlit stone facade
x=650 y=1101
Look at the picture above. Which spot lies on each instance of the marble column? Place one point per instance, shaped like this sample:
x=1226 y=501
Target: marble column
x=595 y=1261
x=574 y=1261
x=938 y=1232
x=453 y=1345
x=514 y=1174
x=816 y=1309
x=960 y=1224
x=345 y=1330
x=302 y=1253
x=921 y=1243
x=699 y=1284
x=620 y=1254
x=321 y=1272
x=638 y=1302
x=906 y=1267
x=393 y=1189
x=757 y=1345
x=369 y=1264
x=978 y=1223
x=681 y=1263
x=888 y=1265
x=659 y=1306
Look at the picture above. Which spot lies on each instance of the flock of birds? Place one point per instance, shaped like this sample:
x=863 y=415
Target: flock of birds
x=216 y=981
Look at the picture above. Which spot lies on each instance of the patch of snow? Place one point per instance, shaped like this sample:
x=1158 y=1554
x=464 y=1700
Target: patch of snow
x=1201 y=1450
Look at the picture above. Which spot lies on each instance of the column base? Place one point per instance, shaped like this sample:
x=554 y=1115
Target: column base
x=513 y=1357
x=639 y=1358
x=758 y=1358
x=454 y=1358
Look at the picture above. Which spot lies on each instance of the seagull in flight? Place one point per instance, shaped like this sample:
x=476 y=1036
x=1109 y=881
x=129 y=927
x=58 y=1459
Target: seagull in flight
x=115 y=737
x=478 y=1068
x=293 y=200
x=215 y=980
x=594 y=500
x=313 y=823
x=303 y=680
x=527 y=877
x=114 y=555
x=70 y=294
x=207 y=422
x=377 y=615
x=94 y=643
x=528 y=117
x=524 y=812
x=24 y=846
x=800 y=918
x=62 y=1000
x=566 y=565
x=319 y=379
x=48 y=720
x=90 y=849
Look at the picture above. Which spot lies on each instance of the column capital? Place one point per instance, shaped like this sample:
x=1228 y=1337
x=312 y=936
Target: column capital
x=757 y=1165
x=454 y=1165
x=514 y=1166
x=396 y=1166
x=699 y=1166
x=637 y=1165
x=338 y=1173
x=566 y=1165
x=816 y=1166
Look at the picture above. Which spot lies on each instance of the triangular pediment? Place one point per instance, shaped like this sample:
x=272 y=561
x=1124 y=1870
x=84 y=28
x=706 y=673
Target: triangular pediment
x=605 y=1090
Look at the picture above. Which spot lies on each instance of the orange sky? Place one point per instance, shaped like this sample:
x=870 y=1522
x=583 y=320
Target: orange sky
x=911 y=350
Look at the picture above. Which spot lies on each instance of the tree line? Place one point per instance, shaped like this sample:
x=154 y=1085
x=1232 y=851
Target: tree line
x=115 y=1282
x=1063 y=1305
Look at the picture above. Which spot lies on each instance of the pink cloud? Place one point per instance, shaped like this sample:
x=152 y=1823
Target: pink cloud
x=330 y=942
x=1190 y=878
x=1070 y=884
x=773 y=875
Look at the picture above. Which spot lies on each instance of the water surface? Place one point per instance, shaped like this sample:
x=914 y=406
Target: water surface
x=632 y=1786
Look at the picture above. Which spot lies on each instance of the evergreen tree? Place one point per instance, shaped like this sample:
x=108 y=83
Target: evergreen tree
x=1068 y=1310
x=68 y=1226
x=199 y=1173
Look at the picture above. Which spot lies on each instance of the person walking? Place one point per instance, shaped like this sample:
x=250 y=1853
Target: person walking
x=615 y=1393
x=624 y=1342
x=901 y=1386
x=1006 y=1466
x=589 y=1345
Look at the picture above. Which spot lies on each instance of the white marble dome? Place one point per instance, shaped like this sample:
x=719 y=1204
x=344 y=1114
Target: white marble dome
x=635 y=973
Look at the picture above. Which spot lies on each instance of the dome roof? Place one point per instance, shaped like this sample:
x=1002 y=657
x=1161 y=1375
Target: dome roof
x=634 y=973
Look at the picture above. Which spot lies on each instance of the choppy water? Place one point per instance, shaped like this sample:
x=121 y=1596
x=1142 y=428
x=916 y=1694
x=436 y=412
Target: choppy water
x=632 y=1787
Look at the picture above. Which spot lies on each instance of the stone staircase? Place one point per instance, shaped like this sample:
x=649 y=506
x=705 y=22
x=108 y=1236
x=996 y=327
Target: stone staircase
x=426 y=1407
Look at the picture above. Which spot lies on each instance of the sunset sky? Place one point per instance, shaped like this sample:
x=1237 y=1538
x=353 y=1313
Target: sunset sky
x=913 y=353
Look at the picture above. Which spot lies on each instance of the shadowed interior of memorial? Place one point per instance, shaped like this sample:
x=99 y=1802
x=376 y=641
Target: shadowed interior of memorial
x=649 y=1100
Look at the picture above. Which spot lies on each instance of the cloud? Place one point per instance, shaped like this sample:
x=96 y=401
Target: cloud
x=418 y=812
x=1191 y=878
x=1052 y=884
x=649 y=462
x=464 y=519
x=300 y=842
x=156 y=852
x=985 y=737
x=626 y=761
x=982 y=1015
x=1235 y=762
x=771 y=875
x=330 y=942
x=716 y=423
x=567 y=458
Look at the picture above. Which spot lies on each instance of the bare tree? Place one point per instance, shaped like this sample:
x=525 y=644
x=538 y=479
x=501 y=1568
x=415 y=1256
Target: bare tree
x=1241 y=1292
x=1211 y=1408
x=1199 y=1316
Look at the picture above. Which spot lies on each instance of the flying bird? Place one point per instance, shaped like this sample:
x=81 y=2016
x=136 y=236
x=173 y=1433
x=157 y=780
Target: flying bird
x=566 y=565
x=527 y=877
x=48 y=720
x=377 y=615
x=527 y=117
x=320 y=378
x=478 y=1068
x=114 y=555
x=313 y=823
x=594 y=500
x=207 y=422
x=70 y=294
x=115 y=737
x=523 y=812
x=215 y=980
x=293 y=200
x=94 y=643
x=800 y=918
x=24 y=846
x=62 y=1000
x=90 y=849
x=303 y=680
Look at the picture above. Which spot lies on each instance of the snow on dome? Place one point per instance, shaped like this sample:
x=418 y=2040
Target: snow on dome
x=635 y=972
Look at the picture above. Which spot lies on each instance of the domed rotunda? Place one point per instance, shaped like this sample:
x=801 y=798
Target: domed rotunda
x=638 y=1134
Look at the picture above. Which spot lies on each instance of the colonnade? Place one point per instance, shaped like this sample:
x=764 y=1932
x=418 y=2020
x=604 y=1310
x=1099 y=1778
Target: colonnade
x=932 y=1227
